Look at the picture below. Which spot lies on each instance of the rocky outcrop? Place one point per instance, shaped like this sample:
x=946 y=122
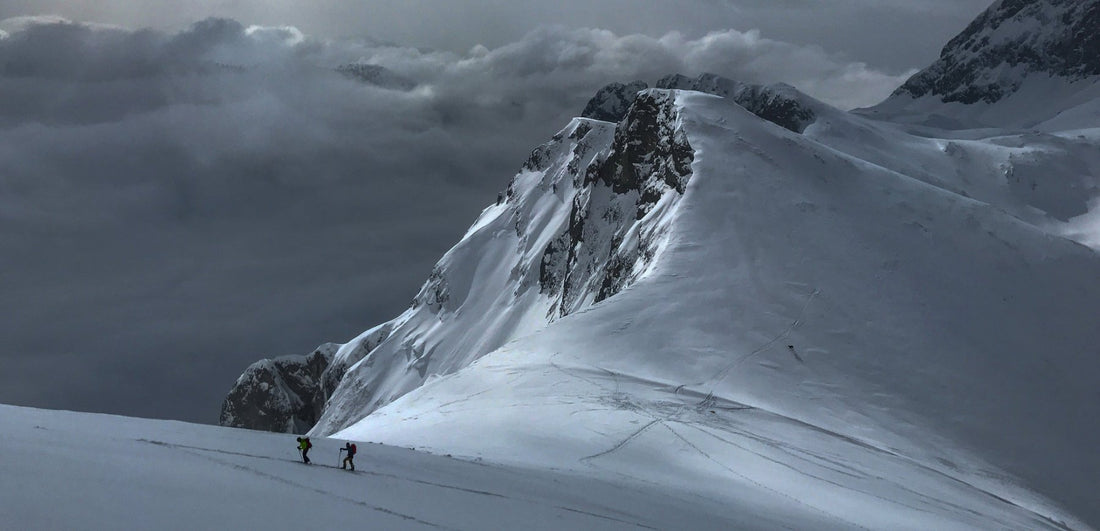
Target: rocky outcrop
x=779 y=103
x=615 y=225
x=1011 y=40
x=284 y=394
x=612 y=102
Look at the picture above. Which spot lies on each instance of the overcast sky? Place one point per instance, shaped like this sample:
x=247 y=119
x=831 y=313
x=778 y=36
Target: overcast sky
x=182 y=195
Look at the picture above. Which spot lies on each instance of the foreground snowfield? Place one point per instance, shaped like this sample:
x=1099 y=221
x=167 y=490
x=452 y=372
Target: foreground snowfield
x=64 y=470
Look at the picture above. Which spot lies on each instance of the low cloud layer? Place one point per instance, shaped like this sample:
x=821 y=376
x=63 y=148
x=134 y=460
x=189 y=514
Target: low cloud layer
x=174 y=206
x=892 y=34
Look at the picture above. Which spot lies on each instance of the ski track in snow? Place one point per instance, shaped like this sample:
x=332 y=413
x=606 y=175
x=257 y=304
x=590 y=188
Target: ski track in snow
x=200 y=452
x=760 y=485
x=721 y=375
x=807 y=457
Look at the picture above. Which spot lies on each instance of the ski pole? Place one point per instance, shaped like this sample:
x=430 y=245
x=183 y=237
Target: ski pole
x=340 y=461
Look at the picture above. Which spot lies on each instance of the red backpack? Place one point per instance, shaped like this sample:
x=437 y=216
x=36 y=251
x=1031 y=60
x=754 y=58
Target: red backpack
x=353 y=449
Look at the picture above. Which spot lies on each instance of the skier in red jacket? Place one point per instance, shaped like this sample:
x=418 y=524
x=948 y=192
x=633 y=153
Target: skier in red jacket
x=350 y=449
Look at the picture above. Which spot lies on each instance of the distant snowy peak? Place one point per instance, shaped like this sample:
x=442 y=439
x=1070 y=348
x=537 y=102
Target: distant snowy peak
x=376 y=75
x=779 y=103
x=1010 y=41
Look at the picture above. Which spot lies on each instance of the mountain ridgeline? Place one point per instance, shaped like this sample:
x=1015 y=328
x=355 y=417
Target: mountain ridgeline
x=615 y=188
x=780 y=103
x=587 y=213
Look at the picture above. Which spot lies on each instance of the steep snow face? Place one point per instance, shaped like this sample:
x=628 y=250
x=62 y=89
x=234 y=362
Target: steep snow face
x=830 y=324
x=585 y=218
x=1033 y=59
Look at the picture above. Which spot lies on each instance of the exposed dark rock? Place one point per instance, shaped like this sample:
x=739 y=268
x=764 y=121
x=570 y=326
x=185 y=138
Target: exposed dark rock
x=281 y=395
x=435 y=293
x=649 y=158
x=780 y=103
x=648 y=149
x=612 y=102
x=1009 y=41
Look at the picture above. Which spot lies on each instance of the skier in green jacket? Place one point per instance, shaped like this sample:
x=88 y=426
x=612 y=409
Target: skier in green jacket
x=303 y=446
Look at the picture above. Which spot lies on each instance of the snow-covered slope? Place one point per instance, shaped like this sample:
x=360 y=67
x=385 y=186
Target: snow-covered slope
x=747 y=296
x=64 y=470
x=585 y=218
x=1021 y=64
x=830 y=324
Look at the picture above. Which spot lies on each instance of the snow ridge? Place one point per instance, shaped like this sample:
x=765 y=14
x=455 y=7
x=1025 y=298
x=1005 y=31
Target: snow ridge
x=779 y=103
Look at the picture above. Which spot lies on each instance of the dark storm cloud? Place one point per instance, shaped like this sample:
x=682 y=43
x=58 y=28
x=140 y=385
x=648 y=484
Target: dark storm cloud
x=175 y=205
x=895 y=35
